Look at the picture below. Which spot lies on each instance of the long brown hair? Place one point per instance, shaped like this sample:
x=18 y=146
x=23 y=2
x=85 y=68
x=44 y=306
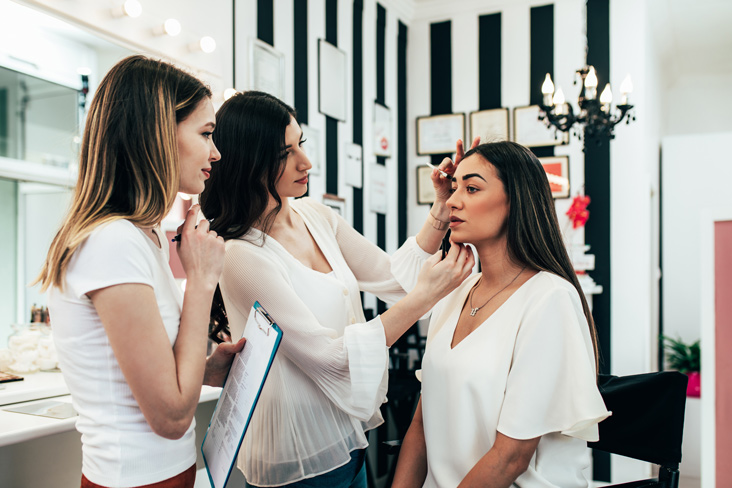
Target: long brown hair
x=250 y=135
x=128 y=167
x=533 y=234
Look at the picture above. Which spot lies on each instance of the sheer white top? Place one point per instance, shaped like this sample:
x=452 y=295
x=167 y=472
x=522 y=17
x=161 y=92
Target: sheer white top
x=527 y=371
x=329 y=377
x=119 y=447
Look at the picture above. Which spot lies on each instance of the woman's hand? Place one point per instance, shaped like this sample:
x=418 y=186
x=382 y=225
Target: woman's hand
x=201 y=251
x=219 y=362
x=439 y=277
x=442 y=184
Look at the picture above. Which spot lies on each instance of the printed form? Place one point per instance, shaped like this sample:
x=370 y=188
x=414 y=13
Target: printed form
x=239 y=395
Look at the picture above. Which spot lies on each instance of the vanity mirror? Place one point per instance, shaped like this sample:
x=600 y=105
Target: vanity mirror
x=47 y=69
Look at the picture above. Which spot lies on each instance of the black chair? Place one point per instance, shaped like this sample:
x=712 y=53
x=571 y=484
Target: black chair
x=647 y=422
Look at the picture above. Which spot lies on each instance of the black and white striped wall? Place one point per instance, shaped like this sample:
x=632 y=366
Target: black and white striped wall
x=374 y=37
x=425 y=57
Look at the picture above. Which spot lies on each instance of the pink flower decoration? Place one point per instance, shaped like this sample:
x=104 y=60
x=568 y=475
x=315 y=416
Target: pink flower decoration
x=578 y=212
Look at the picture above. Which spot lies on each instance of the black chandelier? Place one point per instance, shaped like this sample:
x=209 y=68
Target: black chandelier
x=596 y=116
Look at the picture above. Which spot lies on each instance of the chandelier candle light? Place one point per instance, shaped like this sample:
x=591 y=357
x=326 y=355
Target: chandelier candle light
x=597 y=116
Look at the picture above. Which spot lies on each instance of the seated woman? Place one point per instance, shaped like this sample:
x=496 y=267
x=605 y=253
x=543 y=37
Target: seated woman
x=509 y=395
x=307 y=267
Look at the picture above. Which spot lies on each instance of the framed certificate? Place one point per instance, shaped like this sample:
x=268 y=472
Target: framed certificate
x=335 y=202
x=437 y=134
x=382 y=130
x=557 y=172
x=354 y=165
x=313 y=147
x=490 y=125
x=529 y=131
x=425 y=189
x=266 y=68
x=331 y=80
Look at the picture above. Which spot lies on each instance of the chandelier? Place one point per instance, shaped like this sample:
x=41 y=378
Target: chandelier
x=596 y=116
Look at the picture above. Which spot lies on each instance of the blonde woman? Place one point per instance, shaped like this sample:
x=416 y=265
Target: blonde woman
x=132 y=348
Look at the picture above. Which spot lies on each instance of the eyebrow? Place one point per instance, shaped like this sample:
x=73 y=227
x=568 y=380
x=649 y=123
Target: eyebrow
x=210 y=124
x=470 y=175
x=302 y=134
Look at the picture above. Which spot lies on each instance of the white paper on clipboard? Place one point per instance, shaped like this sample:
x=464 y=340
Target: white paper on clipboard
x=239 y=396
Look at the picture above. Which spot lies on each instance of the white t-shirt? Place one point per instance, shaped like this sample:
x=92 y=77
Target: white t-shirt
x=527 y=371
x=119 y=447
x=329 y=377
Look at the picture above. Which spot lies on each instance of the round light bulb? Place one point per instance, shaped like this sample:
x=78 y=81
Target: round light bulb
x=172 y=27
x=229 y=92
x=83 y=70
x=132 y=8
x=208 y=44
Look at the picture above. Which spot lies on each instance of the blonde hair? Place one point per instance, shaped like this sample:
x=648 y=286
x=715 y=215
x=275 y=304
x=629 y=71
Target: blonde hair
x=128 y=166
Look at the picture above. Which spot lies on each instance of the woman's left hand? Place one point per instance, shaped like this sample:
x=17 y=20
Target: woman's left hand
x=443 y=185
x=219 y=362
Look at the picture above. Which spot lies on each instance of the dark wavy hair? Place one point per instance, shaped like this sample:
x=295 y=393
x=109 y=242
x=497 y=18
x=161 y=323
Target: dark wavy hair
x=250 y=135
x=533 y=234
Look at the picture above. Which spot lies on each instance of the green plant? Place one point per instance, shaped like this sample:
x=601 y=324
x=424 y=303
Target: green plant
x=681 y=356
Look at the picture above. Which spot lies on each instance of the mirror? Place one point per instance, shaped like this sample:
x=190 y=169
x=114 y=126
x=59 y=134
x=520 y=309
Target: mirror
x=42 y=108
x=39 y=120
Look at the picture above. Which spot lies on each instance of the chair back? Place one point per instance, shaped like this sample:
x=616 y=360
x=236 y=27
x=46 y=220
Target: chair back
x=647 y=420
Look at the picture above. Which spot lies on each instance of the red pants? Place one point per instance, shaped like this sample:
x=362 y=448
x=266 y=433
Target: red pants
x=184 y=480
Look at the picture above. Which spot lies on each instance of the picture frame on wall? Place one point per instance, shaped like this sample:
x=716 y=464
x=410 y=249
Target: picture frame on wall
x=529 y=131
x=557 y=172
x=490 y=125
x=266 y=68
x=331 y=80
x=437 y=134
x=382 y=130
x=425 y=190
x=313 y=147
x=338 y=204
x=378 y=187
x=354 y=165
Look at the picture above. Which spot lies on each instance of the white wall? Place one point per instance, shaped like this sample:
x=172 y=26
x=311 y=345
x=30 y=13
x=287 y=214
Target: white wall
x=697 y=169
x=698 y=104
x=515 y=45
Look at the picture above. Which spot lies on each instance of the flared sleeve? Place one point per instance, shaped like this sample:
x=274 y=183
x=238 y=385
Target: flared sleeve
x=387 y=277
x=407 y=262
x=551 y=385
x=350 y=369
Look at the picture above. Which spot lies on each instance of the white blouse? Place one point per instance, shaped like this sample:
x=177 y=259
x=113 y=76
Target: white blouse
x=527 y=371
x=329 y=377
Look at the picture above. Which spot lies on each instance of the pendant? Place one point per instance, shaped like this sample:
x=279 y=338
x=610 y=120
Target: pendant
x=473 y=311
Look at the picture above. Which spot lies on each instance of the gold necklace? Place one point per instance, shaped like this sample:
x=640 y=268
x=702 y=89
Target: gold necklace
x=474 y=310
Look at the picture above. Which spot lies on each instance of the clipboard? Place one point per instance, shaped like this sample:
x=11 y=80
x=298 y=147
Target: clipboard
x=239 y=396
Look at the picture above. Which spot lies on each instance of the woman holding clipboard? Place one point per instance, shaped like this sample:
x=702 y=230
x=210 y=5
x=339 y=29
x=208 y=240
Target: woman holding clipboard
x=307 y=267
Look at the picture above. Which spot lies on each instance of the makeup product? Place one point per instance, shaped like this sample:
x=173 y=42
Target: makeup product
x=177 y=237
x=445 y=247
x=444 y=175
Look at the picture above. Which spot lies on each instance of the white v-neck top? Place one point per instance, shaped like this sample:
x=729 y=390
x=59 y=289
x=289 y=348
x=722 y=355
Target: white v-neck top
x=527 y=371
x=329 y=377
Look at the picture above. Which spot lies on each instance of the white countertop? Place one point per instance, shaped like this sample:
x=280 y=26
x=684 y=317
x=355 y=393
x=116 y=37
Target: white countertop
x=33 y=387
x=20 y=427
